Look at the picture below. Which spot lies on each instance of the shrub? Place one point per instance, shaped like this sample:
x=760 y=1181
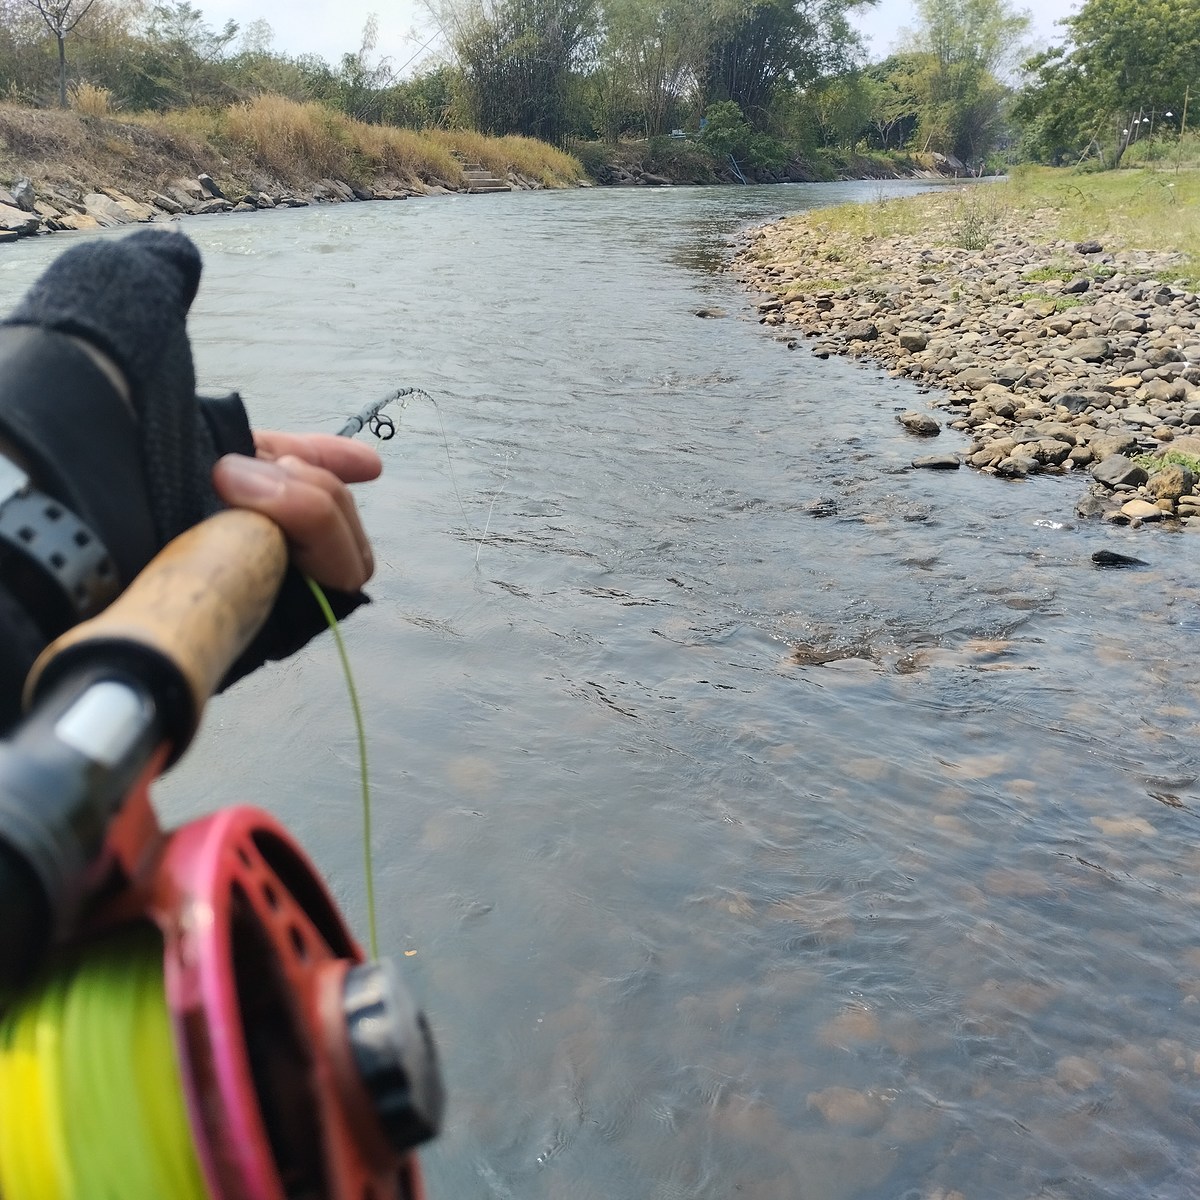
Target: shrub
x=91 y=101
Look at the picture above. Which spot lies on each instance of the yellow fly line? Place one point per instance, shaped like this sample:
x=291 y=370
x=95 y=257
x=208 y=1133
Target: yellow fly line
x=91 y=1105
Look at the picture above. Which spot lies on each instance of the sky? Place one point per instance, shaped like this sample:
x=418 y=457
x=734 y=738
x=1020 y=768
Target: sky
x=333 y=29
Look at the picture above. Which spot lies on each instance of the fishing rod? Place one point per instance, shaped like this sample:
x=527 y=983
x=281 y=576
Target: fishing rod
x=374 y=418
x=186 y=1012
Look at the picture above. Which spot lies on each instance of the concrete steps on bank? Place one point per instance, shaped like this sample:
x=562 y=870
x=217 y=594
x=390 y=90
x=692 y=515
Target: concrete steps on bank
x=480 y=181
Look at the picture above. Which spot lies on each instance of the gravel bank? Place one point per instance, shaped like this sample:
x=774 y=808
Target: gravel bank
x=1052 y=356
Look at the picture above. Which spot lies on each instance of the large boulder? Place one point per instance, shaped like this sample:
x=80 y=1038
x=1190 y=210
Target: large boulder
x=1118 y=471
x=23 y=194
x=18 y=221
x=919 y=423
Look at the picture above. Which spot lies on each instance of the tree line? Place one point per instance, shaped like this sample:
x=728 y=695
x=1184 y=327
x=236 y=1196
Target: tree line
x=765 y=80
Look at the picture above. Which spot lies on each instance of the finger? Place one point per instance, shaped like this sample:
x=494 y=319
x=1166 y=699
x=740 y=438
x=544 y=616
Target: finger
x=320 y=478
x=325 y=541
x=350 y=461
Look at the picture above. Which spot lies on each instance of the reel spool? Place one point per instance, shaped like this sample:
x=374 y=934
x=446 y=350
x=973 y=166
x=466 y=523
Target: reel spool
x=215 y=1034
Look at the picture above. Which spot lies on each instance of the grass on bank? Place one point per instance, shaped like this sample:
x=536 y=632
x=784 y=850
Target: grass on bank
x=1142 y=209
x=294 y=143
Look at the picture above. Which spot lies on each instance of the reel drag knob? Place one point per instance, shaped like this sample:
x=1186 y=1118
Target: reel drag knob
x=393 y=1054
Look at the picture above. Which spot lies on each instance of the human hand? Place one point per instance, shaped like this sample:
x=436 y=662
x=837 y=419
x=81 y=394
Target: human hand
x=299 y=481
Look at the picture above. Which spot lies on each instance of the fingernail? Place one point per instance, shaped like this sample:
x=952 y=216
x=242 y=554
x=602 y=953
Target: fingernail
x=248 y=479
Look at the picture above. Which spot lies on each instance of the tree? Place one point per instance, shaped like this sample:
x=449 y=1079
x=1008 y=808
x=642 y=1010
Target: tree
x=361 y=84
x=658 y=46
x=61 y=17
x=517 y=59
x=1126 y=60
x=969 y=47
x=182 y=56
x=759 y=47
x=893 y=102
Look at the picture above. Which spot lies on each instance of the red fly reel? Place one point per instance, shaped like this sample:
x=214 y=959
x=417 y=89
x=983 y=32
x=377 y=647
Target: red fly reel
x=307 y=1072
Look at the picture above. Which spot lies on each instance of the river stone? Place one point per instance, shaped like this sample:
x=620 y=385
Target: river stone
x=18 y=221
x=1090 y=246
x=1189 y=444
x=1090 y=349
x=78 y=220
x=1074 y=287
x=1091 y=505
x=913 y=340
x=1173 y=481
x=1120 y=441
x=1141 y=510
x=1122 y=383
x=106 y=211
x=919 y=423
x=216 y=205
x=974 y=378
x=23 y=195
x=937 y=462
x=862 y=331
x=1017 y=466
x=1128 y=323
x=711 y=313
x=134 y=209
x=209 y=186
x=1111 y=558
x=1051 y=451
x=1115 y=470
x=1164 y=391
x=166 y=203
x=1009 y=373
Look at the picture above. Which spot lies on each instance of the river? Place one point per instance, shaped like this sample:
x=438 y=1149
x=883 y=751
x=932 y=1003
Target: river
x=768 y=820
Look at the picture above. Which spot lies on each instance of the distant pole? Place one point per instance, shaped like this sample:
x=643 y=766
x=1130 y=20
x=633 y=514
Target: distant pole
x=1187 y=91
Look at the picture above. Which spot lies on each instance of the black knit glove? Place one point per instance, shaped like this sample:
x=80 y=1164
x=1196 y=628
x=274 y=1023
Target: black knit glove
x=129 y=453
x=130 y=298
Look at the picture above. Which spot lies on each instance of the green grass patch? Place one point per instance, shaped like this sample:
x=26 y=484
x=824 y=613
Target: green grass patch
x=1156 y=462
x=1061 y=303
x=1142 y=209
x=1042 y=274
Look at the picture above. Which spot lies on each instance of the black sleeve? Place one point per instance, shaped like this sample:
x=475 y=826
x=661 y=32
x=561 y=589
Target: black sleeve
x=20 y=643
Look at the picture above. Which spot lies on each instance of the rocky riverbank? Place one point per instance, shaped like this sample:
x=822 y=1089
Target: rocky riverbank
x=26 y=210
x=1052 y=356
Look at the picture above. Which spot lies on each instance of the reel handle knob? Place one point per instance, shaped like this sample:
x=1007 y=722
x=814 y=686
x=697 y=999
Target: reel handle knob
x=393 y=1050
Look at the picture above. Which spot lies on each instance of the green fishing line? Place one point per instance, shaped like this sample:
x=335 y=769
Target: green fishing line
x=364 y=777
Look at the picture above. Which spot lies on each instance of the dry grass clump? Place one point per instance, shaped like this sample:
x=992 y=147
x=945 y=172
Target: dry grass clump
x=295 y=141
x=91 y=101
x=87 y=148
x=526 y=156
x=408 y=155
x=307 y=141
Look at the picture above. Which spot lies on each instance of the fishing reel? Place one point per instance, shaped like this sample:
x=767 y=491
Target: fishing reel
x=206 y=1027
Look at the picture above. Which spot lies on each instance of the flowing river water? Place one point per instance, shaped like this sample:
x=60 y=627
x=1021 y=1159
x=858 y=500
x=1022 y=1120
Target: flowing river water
x=766 y=819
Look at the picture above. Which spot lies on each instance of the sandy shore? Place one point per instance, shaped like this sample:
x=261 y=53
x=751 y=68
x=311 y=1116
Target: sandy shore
x=1052 y=356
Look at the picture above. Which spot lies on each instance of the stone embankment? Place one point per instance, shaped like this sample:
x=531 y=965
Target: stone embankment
x=26 y=210
x=1052 y=357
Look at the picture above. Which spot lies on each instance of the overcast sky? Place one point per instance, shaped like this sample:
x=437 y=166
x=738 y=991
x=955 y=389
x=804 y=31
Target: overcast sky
x=333 y=29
